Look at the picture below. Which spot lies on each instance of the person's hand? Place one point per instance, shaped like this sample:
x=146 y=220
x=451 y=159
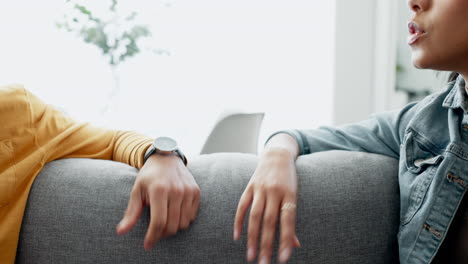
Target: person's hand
x=272 y=193
x=166 y=185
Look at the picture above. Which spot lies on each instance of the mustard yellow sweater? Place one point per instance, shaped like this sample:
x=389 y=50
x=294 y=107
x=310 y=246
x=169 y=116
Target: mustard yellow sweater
x=32 y=134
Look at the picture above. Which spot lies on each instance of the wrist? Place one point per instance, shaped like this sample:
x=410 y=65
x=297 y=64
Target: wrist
x=282 y=144
x=278 y=152
x=166 y=158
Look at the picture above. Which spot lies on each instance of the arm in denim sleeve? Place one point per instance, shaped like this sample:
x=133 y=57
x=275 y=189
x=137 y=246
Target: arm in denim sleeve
x=381 y=134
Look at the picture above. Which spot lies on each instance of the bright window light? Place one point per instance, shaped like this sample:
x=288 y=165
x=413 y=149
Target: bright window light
x=213 y=55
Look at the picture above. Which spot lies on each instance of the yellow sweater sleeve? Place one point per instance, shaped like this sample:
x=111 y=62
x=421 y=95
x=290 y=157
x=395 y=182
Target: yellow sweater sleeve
x=61 y=137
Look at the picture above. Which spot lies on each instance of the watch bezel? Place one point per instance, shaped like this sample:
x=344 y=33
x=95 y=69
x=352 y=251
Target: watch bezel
x=161 y=143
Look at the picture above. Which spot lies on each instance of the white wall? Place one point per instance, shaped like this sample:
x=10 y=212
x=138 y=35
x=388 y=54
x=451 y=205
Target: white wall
x=354 y=60
x=366 y=50
x=265 y=55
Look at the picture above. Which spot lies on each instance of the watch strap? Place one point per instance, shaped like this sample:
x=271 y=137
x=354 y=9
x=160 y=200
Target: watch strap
x=182 y=156
x=152 y=149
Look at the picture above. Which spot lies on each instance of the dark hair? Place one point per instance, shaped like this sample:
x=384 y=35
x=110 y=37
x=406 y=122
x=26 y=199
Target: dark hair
x=453 y=76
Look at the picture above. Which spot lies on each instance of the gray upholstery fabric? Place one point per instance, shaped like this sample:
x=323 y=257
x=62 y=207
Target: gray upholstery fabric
x=348 y=212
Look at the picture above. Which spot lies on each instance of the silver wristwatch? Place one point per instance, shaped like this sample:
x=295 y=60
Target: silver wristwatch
x=165 y=146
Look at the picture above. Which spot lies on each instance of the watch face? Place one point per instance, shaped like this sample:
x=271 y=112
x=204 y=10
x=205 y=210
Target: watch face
x=165 y=144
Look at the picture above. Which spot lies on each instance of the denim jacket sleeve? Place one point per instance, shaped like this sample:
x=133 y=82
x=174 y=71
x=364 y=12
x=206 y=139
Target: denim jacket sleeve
x=382 y=134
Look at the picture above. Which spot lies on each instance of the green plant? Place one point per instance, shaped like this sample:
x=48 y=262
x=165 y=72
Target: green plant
x=399 y=68
x=117 y=38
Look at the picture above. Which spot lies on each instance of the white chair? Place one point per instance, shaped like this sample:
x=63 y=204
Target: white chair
x=234 y=132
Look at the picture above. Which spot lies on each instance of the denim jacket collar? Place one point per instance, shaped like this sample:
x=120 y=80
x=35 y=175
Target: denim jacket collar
x=458 y=97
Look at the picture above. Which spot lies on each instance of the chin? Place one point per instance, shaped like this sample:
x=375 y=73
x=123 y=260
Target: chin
x=421 y=62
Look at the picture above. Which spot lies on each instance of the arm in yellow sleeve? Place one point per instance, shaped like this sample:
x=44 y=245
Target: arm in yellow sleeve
x=62 y=137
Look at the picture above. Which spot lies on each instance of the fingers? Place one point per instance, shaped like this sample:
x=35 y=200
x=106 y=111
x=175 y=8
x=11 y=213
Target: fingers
x=133 y=212
x=256 y=214
x=183 y=208
x=288 y=238
x=243 y=206
x=268 y=229
x=186 y=210
x=195 y=204
x=175 y=202
x=159 y=204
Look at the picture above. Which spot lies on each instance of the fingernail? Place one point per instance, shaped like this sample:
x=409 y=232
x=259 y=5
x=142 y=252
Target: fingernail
x=121 y=224
x=236 y=234
x=264 y=260
x=284 y=256
x=148 y=246
x=298 y=242
x=250 y=254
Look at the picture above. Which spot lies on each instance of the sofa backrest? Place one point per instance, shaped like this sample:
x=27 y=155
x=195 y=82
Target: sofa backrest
x=348 y=211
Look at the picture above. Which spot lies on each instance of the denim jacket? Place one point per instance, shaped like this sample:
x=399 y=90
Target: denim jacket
x=430 y=139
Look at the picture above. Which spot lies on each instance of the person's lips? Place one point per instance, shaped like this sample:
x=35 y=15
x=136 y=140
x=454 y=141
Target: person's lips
x=415 y=31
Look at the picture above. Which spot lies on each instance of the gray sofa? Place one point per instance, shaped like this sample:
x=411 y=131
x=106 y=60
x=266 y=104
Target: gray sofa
x=348 y=212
